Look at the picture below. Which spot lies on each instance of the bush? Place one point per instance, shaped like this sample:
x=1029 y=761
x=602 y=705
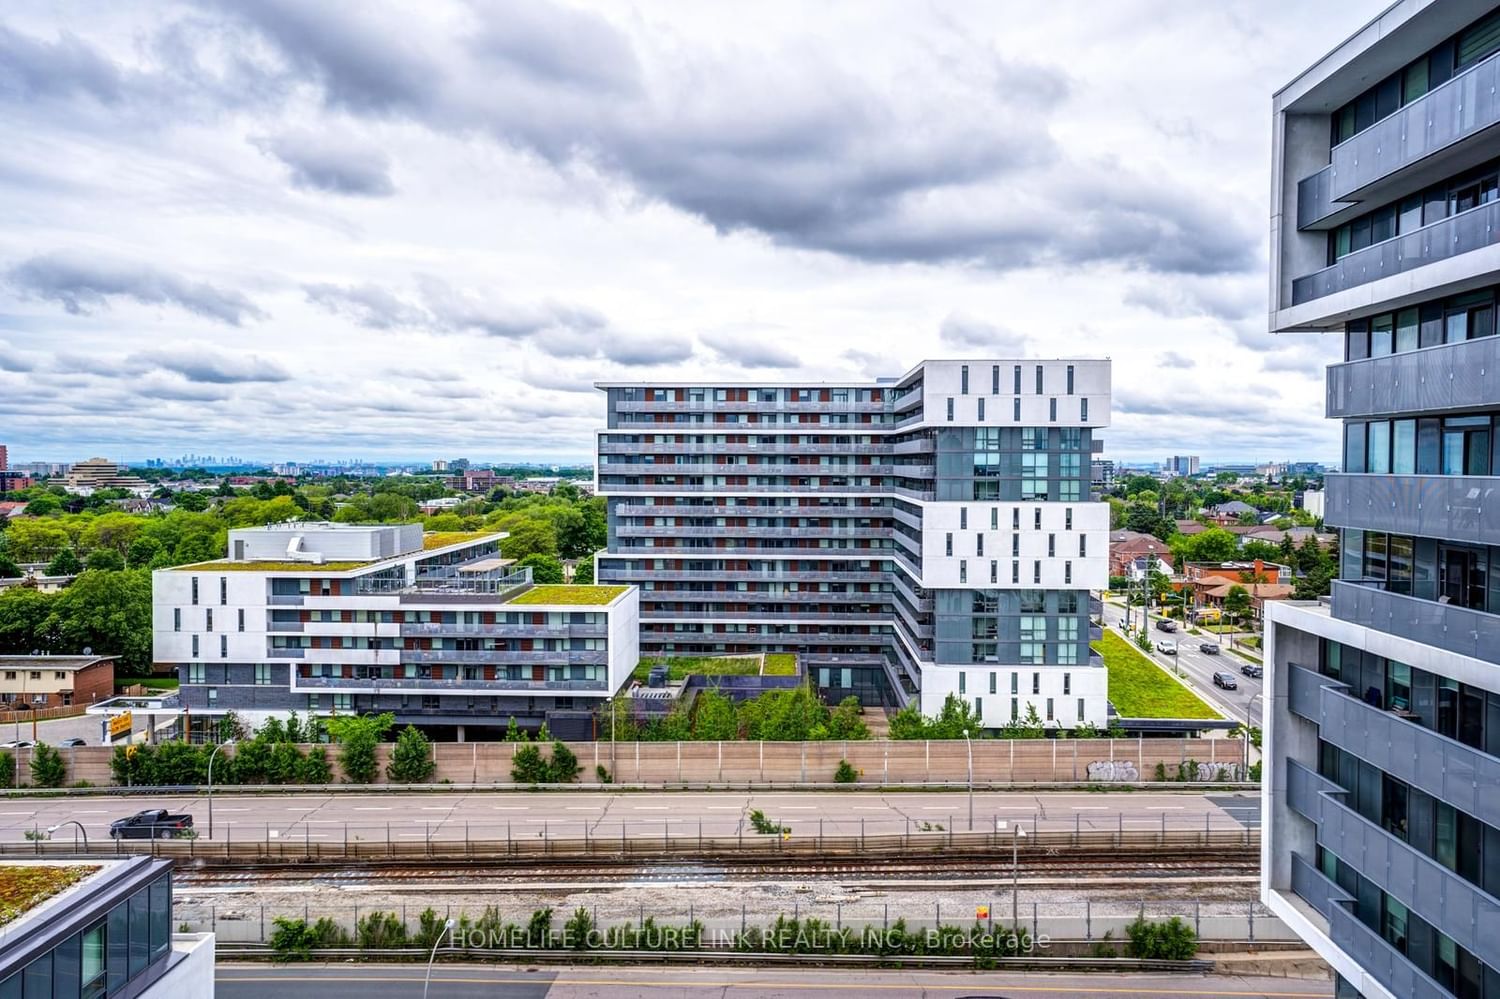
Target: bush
x=313 y=768
x=528 y=767
x=564 y=768
x=357 y=736
x=380 y=931
x=1173 y=940
x=845 y=774
x=48 y=769
x=602 y=775
x=7 y=769
x=765 y=826
x=294 y=939
x=411 y=759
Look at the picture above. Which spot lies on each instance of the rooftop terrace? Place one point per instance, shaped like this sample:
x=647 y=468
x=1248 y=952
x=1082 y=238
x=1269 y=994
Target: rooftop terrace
x=596 y=596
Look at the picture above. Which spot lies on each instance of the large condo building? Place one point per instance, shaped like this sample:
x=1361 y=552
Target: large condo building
x=436 y=628
x=1382 y=767
x=911 y=537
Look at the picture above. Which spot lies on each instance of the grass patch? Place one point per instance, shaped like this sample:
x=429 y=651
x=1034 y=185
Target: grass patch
x=442 y=539
x=1139 y=688
x=149 y=682
x=1247 y=656
x=679 y=668
x=24 y=888
x=574 y=595
x=781 y=664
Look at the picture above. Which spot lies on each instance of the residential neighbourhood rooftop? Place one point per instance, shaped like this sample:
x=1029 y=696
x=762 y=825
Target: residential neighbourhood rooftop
x=573 y=595
x=52 y=662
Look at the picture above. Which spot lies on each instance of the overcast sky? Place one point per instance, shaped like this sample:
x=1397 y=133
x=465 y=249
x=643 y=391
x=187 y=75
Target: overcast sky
x=286 y=229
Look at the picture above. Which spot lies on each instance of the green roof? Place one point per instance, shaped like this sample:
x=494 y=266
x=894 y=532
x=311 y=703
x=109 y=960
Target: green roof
x=24 y=887
x=442 y=539
x=594 y=595
x=225 y=565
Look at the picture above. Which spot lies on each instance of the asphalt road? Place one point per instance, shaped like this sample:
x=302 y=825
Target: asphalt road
x=1199 y=668
x=498 y=815
x=473 y=981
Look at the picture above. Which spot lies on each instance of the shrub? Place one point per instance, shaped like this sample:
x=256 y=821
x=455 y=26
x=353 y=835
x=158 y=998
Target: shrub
x=380 y=931
x=48 y=769
x=7 y=769
x=528 y=767
x=577 y=929
x=1173 y=940
x=284 y=764
x=602 y=775
x=411 y=759
x=564 y=767
x=845 y=774
x=765 y=826
x=357 y=736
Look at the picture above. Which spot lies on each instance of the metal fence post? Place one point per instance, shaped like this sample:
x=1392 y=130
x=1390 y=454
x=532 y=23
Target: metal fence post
x=1088 y=919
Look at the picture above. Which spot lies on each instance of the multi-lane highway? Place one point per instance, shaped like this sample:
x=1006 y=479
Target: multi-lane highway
x=464 y=981
x=1198 y=668
x=329 y=818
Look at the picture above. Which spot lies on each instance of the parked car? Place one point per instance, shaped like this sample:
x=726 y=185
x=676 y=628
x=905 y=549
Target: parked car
x=1250 y=669
x=1166 y=648
x=153 y=823
x=18 y=744
x=1166 y=624
x=1226 y=680
x=75 y=741
x=1209 y=648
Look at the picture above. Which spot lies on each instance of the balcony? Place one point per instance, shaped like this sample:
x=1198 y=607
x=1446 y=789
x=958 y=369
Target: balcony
x=1453 y=376
x=382 y=685
x=762 y=468
x=1451 y=237
x=1457 y=908
x=495 y=657
x=1458 y=774
x=507 y=630
x=1452 y=507
x=1455 y=629
x=617 y=574
x=830 y=448
x=751 y=531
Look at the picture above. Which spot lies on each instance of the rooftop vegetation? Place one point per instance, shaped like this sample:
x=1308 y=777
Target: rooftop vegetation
x=25 y=887
x=1139 y=688
x=570 y=595
x=442 y=539
x=681 y=667
x=224 y=565
x=781 y=664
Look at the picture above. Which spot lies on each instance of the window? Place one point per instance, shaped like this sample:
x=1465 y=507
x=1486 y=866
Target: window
x=262 y=674
x=1083 y=546
x=1067 y=683
x=223 y=589
x=242 y=619
x=962 y=681
x=994 y=518
x=195 y=673
x=1015 y=572
x=1052 y=410
x=1049 y=709
x=1017 y=389
x=963 y=518
x=1036 y=683
x=1051 y=546
x=176 y=618
x=979 y=545
x=223 y=646
x=1015 y=683
x=195 y=590
x=1036 y=518
x=1015 y=518
x=91 y=962
x=981 y=410
x=195 y=646
x=963 y=570
x=1038 y=379
x=1080 y=709
x=1083 y=409
x=1015 y=709
x=1036 y=572
x=1070 y=379
x=994 y=379
x=950 y=410
x=979 y=709
x=1067 y=518
x=208 y=617
x=1067 y=572
x=963 y=380
x=948 y=548
x=992 y=682
x=213 y=696
x=1015 y=413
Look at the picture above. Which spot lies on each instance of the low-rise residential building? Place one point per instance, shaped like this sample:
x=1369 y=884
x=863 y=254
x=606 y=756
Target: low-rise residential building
x=101 y=928
x=478 y=480
x=437 y=629
x=12 y=480
x=1230 y=513
x=1125 y=547
x=1140 y=568
x=55 y=681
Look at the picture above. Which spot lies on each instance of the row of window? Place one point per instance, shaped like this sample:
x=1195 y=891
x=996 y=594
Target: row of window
x=1015 y=683
x=208 y=622
x=1450 y=320
x=1015 y=410
x=223 y=589
x=1442 y=960
x=36 y=674
x=1015 y=545
x=634 y=394
x=1469 y=190
x=963 y=379
x=1455 y=445
x=1015 y=708
x=347 y=703
x=1015 y=572
x=1417 y=78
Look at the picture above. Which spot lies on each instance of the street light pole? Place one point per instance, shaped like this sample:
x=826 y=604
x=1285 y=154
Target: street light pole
x=72 y=822
x=447 y=928
x=211 y=756
x=970 y=747
x=1015 y=874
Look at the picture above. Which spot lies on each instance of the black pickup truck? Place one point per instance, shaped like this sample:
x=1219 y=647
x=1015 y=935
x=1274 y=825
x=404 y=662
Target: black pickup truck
x=153 y=823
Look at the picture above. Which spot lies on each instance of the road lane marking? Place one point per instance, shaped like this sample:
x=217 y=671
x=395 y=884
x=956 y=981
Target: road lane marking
x=372 y=808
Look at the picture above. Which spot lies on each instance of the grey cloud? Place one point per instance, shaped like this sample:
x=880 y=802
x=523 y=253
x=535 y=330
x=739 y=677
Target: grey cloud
x=642 y=351
x=555 y=380
x=559 y=45
x=464 y=312
x=750 y=350
x=968 y=333
x=873 y=365
x=33 y=68
x=321 y=162
x=367 y=305
x=81 y=281
x=176 y=391
x=15 y=360
x=1228 y=300
x=199 y=365
x=1173 y=359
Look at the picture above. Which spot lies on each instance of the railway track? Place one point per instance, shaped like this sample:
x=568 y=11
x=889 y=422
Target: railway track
x=1212 y=865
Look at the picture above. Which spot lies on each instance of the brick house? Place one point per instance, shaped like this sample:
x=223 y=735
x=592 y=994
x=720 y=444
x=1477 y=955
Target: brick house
x=1127 y=546
x=55 y=681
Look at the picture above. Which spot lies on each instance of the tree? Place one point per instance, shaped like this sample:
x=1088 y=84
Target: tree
x=9 y=570
x=109 y=612
x=845 y=721
x=357 y=736
x=1029 y=727
x=1212 y=545
x=411 y=758
x=48 y=769
x=192 y=501
x=529 y=537
x=714 y=718
x=106 y=559
x=583 y=572
x=1237 y=602
x=65 y=563
x=545 y=569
